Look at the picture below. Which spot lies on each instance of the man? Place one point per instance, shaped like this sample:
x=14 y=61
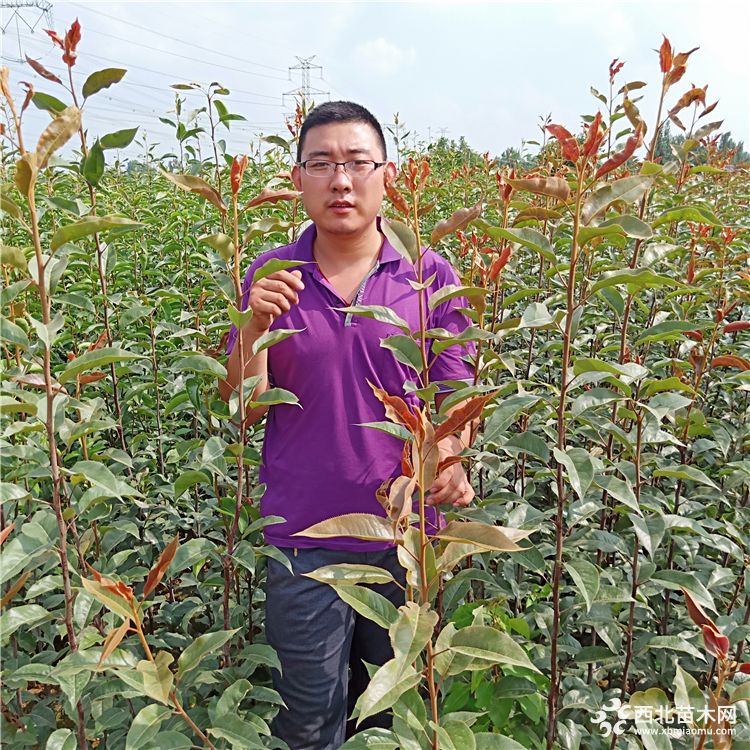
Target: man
x=318 y=462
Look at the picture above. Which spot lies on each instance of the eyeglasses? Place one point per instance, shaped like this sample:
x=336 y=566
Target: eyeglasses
x=354 y=167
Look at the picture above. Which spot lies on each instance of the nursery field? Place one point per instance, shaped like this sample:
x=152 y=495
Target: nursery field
x=594 y=595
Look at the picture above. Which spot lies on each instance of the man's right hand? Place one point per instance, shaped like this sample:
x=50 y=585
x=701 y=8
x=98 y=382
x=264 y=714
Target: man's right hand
x=273 y=296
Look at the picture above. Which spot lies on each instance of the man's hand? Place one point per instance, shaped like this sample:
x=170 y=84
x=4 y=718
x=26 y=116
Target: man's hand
x=451 y=486
x=273 y=296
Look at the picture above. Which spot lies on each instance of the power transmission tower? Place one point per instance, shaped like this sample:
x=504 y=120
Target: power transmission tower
x=304 y=91
x=26 y=12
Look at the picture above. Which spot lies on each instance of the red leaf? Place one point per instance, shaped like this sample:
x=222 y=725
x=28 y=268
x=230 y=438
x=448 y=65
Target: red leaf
x=621 y=157
x=458 y=419
x=665 y=55
x=675 y=74
x=99 y=343
x=446 y=463
x=71 y=42
x=744 y=668
x=738 y=325
x=695 y=335
x=568 y=143
x=716 y=644
x=118 y=588
x=460 y=219
x=43 y=72
x=681 y=58
x=396 y=409
x=157 y=572
x=595 y=136
x=692 y=95
x=697 y=613
x=729 y=360
x=273 y=196
x=499 y=263
x=53 y=35
x=398 y=201
x=239 y=165
x=4 y=533
x=91 y=377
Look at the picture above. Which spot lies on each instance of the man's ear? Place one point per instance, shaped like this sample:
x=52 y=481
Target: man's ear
x=390 y=173
x=297 y=177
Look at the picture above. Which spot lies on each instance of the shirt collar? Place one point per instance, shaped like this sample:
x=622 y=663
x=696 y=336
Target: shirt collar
x=304 y=248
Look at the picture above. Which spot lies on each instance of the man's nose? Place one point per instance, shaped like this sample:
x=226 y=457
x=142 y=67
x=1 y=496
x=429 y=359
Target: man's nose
x=341 y=177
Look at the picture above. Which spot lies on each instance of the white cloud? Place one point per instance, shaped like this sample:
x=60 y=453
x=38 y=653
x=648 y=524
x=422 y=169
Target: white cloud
x=383 y=56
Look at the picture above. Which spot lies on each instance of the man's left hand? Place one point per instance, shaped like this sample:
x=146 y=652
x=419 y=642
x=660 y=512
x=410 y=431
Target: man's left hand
x=451 y=486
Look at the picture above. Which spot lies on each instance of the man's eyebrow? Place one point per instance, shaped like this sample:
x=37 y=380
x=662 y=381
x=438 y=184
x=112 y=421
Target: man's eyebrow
x=326 y=152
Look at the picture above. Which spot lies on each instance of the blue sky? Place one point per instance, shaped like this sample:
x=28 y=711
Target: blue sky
x=486 y=71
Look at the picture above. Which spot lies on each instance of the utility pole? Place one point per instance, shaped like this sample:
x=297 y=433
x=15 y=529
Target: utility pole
x=304 y=91
x=26 y=12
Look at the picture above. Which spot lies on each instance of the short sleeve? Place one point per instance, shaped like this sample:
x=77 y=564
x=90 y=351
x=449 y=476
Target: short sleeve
x=451 y=363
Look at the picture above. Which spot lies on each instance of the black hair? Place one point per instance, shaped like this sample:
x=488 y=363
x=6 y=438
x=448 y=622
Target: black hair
x=340 y=111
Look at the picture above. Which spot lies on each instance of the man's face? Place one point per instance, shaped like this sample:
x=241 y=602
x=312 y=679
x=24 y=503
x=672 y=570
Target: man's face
x=343 y=204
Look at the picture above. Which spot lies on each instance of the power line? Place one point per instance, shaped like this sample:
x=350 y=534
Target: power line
x=173 y=76
x=162 y=35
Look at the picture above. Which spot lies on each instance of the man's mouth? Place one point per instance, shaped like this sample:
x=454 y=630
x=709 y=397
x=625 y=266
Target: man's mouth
x=341 y=204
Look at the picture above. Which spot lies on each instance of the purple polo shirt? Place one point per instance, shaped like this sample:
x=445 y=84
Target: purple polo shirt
x=316 y=461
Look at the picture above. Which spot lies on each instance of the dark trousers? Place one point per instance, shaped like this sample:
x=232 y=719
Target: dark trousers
x=321 y=643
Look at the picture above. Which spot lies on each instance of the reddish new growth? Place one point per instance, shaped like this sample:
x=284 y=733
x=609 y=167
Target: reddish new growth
x=69 y=44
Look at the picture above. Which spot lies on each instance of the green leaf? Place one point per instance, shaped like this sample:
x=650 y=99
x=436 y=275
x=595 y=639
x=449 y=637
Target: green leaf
x=88 y=226
x=527 y=442
x=191 y=552
x=620 y=490
x=405 y=349
x=61 y=739
x=146 y=725
x=240 y=733
x=372 y=739
x=103 y=479
x=93 y=165
x=188 y=479
x=386 y=686
x=198 y=186
x=232 y=697
x=411 y=631
x=536 y=315
x=13 y=334
x=377 y=312
x=494 y=538
x=579 y=468
x=488 y=647
x=667 y=330
x=491 y=741
x=157 y=676
x=686 y=472
x=118 y=139
x=48 y=103
x=634 y=278
x=402 y=238
x=593 y=398
x=101 y=79
x=677 y=579
x=94 y=360
x=276 y=264
x=220 y=242
x=359 y=525
x=687 y=213
x=675 y=643
x=56 y=135
x=14 y=256
x=460 y=735
x=25 y=616
x=451 y=291
x=200 y=648
x=369 y=604
x=586 y=578
x=203 y=364
x=530 y=238
x=627 y=189
x=687 y=692
x=269 y=225
x=349 y=574
x=274 y=396
x=273 y=337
